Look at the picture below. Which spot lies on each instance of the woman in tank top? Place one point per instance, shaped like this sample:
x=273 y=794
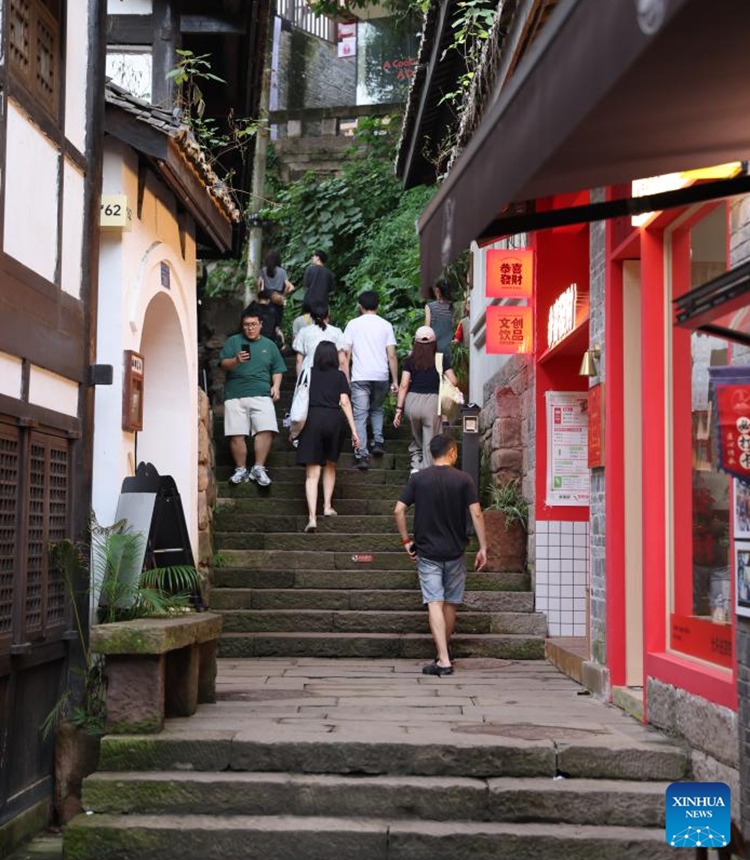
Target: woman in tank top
x=438 y=315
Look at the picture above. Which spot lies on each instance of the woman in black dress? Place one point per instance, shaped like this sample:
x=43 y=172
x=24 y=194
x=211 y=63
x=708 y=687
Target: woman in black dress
x=322 y=437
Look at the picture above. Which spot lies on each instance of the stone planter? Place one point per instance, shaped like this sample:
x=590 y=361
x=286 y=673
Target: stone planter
x=76 y=756
x=506 y=547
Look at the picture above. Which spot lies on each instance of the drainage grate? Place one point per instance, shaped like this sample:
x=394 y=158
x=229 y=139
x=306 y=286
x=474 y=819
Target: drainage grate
x=529 y=731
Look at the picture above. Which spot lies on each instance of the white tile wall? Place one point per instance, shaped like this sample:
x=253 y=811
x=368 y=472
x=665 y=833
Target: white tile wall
x=562 y=567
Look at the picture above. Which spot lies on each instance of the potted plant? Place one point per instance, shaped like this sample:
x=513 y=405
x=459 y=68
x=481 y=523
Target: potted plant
x=506 y=517
x=125 y=592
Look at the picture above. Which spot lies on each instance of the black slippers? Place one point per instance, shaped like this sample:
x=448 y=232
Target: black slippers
x=436 y=669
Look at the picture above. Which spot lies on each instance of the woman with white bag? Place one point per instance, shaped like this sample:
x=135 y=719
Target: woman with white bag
x=322 y=437
x=418 y=395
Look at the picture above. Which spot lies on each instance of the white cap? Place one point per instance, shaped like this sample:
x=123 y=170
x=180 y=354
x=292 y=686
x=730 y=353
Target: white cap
x=424 y=334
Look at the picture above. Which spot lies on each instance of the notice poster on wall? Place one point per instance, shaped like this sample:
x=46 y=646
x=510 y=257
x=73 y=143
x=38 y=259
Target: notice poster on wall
x=568 y=481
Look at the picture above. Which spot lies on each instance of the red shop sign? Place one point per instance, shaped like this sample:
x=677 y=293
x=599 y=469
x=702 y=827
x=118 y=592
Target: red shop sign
x=509 y=274
x=509 y=330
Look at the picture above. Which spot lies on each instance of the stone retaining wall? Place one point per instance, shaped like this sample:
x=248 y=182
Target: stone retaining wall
x=508 y=426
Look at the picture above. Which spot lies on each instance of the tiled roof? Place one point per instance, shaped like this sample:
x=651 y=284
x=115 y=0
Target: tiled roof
x=169 y=124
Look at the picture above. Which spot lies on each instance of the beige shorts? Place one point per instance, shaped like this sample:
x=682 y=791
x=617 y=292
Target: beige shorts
x=246 y=416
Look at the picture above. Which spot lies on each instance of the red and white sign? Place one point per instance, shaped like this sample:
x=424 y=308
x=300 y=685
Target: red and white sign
x=509 y=274
x=733 y=404
x=346 y=32
x=509 y=330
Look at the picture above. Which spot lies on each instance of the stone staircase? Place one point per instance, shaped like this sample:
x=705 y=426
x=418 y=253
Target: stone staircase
x=349 y=590
x=306 y=758
x=310 y=760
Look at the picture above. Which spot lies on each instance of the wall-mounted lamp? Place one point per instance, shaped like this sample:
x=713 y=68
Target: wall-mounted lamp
x=589 y=364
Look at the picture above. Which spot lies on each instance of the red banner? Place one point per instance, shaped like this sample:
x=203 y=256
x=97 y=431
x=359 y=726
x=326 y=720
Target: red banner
x=509 y=274
x=509 y=330
x=733 y=406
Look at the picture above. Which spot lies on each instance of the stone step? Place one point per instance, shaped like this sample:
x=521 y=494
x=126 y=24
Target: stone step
x=295 y=475
x=309 y=560
x=260 y=748
x=281 y=443
x=354 y=579
x=358 y=600
x=248 y=506
x=287 y=458
x=298 y=541
x=349 y=485
x=412 y=646
x=229 y=520
x=371 y=621
x=204 y=837
x=614 y=803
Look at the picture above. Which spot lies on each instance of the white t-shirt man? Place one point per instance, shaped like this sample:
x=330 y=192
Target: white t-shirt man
x=367 y=337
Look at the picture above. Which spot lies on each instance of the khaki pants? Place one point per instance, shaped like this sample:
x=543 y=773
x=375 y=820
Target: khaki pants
x=422 y=412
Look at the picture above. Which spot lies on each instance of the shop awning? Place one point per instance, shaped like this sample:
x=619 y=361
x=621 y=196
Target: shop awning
x=611 y=91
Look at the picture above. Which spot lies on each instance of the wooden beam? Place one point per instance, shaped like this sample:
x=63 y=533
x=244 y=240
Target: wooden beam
x=130 y=30
x=210 y=25
x=166 y=41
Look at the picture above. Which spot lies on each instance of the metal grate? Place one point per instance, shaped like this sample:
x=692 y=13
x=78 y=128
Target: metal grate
x=302 y=17
x=8 y=520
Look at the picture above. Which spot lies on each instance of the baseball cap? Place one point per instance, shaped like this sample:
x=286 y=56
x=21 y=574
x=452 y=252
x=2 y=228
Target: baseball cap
x=424 y=334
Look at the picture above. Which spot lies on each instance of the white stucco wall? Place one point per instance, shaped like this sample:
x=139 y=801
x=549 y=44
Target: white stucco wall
x=11 y=378
x=130 y=7
x=136 y=312
x=72 y=229
x=52 y=391
x=31 y=195
x=76 y=72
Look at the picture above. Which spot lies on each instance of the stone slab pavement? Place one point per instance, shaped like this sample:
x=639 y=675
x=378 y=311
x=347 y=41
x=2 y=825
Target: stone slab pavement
x=496 y=699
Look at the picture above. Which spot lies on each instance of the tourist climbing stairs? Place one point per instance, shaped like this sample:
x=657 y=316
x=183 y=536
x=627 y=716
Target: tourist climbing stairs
x=348 y=590
x=308 y=758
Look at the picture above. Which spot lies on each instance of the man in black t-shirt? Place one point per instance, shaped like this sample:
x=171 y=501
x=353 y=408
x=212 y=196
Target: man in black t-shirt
x=317 y=281
x=441 y=496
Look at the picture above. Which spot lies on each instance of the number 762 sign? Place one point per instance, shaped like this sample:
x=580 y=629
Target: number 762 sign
x=114 y=212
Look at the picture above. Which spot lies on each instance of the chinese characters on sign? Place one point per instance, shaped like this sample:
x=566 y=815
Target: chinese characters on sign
x=562 y=316
x=509 y=330
x=568 y=480
x=733 y=404
x=596 y=426
x=510 y=274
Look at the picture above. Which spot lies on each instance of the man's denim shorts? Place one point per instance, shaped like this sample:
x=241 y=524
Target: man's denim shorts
x=442 y=580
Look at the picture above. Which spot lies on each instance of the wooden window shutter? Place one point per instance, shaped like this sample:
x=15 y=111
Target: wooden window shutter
x=34 y=50
x=9 y=480
x=47 y=522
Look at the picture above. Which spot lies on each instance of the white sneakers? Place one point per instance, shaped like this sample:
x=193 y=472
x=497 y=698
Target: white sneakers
x=240 y=475
x=257 y=474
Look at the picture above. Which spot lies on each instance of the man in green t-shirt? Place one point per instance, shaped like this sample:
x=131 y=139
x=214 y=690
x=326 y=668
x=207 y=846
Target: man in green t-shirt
x=254 y=366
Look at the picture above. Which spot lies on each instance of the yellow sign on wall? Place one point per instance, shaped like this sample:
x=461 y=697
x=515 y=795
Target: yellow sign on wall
x=114 y=212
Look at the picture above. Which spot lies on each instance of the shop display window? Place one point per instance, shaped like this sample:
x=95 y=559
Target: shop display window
x=701 y=597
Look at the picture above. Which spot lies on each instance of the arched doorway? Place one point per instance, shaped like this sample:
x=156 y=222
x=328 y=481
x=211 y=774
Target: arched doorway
x=169 y=435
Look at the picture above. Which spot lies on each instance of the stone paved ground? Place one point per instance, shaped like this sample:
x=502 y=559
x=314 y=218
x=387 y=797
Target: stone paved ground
x=528 y=700
x=485 y=702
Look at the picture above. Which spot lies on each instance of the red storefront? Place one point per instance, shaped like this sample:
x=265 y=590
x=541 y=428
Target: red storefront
x=669 y=535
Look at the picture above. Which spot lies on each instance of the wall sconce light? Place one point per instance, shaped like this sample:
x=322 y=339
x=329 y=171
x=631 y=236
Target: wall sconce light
x=589 y=365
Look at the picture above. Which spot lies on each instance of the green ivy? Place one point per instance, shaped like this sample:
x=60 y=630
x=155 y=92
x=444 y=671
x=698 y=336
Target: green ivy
x=365 y=221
